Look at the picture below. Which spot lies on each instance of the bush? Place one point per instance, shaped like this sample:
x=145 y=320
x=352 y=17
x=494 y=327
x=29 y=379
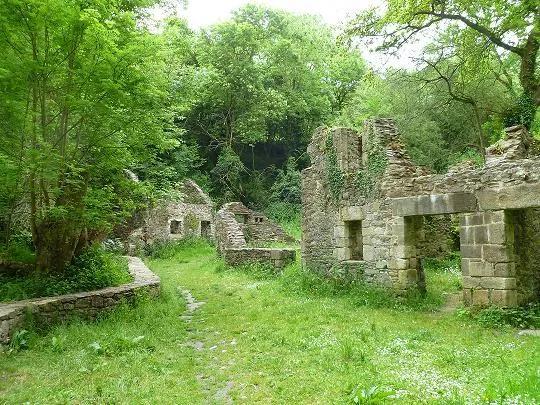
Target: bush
x=19 y=249
x=92 y=270
x=95 y=268
x=526 y=316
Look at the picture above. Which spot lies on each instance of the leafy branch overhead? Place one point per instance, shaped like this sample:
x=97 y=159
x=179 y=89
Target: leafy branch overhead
x=508 y=26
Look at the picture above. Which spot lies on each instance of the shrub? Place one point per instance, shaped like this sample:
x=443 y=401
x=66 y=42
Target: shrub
x=95 y=268
x=525 y=316
x=92 y=270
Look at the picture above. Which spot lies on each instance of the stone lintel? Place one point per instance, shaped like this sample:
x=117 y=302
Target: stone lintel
x=516 y=197
x=434 y=204
x=352 y=213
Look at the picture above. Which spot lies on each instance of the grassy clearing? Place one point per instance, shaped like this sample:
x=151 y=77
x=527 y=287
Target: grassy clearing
x=262 y=338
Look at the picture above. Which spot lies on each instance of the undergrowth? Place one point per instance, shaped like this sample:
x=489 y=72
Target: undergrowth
x=92 y=270
x=525 y=316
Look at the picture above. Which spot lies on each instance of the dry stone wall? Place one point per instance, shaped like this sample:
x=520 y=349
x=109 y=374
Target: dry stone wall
x=85 y=305
x=383 y=200
x=239 y=230
x=277 y=258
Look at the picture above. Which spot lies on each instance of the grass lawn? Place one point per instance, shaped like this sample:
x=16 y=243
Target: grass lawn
x=268 y=340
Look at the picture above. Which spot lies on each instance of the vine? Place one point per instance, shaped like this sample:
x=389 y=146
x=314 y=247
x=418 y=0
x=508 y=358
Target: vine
x=368 y=176
x=334 y=176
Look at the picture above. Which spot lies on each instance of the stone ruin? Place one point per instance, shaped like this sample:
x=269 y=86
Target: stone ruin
x=242 y=233
x=366 y=206
x=190 y=214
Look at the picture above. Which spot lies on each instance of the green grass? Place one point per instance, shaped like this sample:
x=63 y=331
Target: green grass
x=270 y=339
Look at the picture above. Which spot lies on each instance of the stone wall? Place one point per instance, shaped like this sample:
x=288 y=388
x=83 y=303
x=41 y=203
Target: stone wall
x=278 y=258
x=190 y=213
x=239 y=230
x=85 y=305
x=385 y=201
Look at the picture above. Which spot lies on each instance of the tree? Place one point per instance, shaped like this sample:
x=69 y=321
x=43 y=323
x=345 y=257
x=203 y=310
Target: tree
x=80 y=98
x=506 y=26
x=258 y=86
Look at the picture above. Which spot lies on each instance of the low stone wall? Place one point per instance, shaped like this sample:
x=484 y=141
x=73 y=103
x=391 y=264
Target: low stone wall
x=86 y=305
x=279 y=258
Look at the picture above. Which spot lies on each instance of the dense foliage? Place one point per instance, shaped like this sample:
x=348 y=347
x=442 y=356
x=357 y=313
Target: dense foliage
x=89 y=95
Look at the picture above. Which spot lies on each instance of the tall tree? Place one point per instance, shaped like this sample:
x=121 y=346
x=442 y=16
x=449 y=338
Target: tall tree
x=80 y=97
x=507 y=26
x=259 y=85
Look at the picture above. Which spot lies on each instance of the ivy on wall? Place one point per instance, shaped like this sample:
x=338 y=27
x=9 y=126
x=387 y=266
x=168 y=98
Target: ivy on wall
x=334 y=175
x=368 y=175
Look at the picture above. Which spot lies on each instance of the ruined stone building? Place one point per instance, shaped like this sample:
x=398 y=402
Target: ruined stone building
x=365 y=206
x=242 y=233
x=188 y=213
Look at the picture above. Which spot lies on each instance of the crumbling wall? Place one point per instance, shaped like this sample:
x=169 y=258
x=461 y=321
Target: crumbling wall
x=371 y=191
x=255 y=226
x=189 y=212
x=239 y=230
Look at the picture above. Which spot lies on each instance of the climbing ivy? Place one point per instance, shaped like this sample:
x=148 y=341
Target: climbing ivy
x=334 y=175
x=368 y=175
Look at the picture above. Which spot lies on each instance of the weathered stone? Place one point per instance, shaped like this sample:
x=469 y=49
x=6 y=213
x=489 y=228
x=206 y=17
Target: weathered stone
x=173 y=219
x=480 y=234
x=471 y=251
x=505 y=269
x=85 y=305
x=504 y=298
x=497 y=233
x=480 y=298
x=394 y=211
x=495 y=253
x=500 y=283
x=481 y=269
x=471 y=282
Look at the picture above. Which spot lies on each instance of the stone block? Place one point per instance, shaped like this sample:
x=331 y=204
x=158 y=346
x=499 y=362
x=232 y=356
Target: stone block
x=368 y=253
x=480 y=298
x=495 y=253
x=340 y=232
x=471 y=251
x=341 y=242
x=405 y=206
x=352 y=213
x=497 y=233
x=471 y=282
x=492 y=217
x=340 y=254
x=433 y=204
x=466 y=235
x=505 y=298
x=474 y=219
x=480 y=269
x=465 y=264
x=499 y=283
x=480 y=234
x=403 y=251
x=505 y=269
x=399 y=264
x=381 y=264
x=407 y=277
x=516 y=197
